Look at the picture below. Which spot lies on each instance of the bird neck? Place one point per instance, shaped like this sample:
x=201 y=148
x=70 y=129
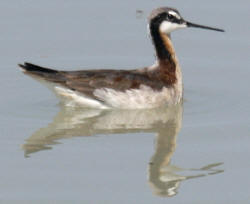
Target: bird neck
x=168 y=64
x=163 y=46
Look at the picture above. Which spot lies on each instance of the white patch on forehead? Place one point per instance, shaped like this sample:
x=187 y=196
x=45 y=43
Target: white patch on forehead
x=174 y=14
x=167 y=27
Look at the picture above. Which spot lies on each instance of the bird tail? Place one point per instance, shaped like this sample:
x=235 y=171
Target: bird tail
x=42 y=72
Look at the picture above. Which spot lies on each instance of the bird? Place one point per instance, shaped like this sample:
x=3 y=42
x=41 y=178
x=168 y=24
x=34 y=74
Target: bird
x=142 y=88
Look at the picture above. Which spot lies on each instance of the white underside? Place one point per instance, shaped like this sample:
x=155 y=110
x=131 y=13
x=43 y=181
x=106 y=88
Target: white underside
x=142 y=98
x=74 y=98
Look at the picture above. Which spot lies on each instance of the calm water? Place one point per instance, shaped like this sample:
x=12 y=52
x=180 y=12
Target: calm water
x=195 y=153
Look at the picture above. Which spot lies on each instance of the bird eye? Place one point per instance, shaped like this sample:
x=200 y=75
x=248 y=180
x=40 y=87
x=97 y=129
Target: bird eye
x=170 y=17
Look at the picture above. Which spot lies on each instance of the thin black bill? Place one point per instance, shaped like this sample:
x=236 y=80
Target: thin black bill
x=204 y=27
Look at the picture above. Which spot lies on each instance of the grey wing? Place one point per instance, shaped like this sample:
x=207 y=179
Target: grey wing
x=87 y=81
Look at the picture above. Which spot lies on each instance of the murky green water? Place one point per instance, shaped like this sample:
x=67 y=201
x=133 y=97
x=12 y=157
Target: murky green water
x=193 y=153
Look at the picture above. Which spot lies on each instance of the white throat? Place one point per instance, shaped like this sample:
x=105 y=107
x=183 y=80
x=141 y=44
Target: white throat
x=167 y=27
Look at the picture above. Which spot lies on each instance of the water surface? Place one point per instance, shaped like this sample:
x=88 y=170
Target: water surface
x=192 y=153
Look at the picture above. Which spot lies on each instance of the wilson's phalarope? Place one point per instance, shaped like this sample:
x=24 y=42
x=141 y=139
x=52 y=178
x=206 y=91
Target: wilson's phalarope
x=147 y=87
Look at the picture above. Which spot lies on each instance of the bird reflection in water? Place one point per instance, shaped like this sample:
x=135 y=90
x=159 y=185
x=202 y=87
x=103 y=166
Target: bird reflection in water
x=164 y=178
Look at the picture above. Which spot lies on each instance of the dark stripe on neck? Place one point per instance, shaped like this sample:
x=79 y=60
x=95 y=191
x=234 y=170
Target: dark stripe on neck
x=167 y=63
x=161 y=51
